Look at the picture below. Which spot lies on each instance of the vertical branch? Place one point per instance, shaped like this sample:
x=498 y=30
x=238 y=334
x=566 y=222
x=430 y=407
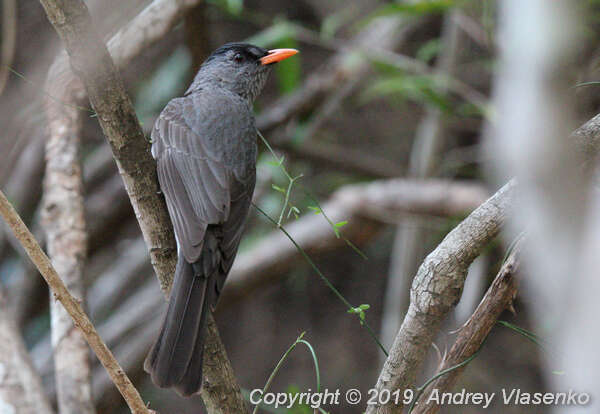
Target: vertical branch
x=64 y=223
x=91 y=62
x=20 y=385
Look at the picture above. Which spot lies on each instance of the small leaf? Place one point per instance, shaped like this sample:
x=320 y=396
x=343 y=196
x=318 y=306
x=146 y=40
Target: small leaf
x=364 y=306
x=277 y=188
x=317 y=210
x=341 y=223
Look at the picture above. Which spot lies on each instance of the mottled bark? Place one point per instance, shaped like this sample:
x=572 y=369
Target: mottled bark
x=473 y=333
x=64 y=224
x=446 y=267
x=91 y=62
x=435 y=291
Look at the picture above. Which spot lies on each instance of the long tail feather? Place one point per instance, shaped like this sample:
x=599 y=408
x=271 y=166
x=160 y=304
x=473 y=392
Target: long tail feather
x=175 y=359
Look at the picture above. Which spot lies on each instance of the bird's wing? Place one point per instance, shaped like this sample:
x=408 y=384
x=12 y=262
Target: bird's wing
x=196 y=183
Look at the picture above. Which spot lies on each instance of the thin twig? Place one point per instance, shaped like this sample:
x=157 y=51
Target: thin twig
x=71 y=304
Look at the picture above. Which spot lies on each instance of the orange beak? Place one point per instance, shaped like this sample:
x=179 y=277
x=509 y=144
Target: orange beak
x=277 y=55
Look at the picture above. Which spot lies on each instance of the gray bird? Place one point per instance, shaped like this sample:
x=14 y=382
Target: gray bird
x=204 y=144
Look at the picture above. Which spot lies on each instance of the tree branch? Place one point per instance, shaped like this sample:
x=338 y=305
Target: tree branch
x=436 y=289
x=472 y=334
x=71 y=304
x=92 y=63
x=63 y=220
x=446 y=267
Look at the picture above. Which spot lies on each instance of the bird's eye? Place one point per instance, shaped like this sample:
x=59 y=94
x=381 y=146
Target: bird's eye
x=238 y=58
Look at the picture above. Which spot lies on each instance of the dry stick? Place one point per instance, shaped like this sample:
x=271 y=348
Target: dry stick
x=473 y=333
x=92 y=63
x=71 y=304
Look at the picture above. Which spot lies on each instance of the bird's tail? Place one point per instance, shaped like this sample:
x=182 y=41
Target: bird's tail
x=175 y=359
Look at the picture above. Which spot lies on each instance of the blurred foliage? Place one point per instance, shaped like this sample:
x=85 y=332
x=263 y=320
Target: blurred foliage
x=288 y=72
x=155 y=91
x=418 y=8
x=419 y=88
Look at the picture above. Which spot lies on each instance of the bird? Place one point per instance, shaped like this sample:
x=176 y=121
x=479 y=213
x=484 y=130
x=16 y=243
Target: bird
x=204 y=144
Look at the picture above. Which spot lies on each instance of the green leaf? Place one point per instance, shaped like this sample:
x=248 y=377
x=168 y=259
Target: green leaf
x=273 y=35
x=341 y=223
x=429 y=50
x=419 y=8
x=288 y=71
x=235 y=7
x=418 y=88
x=317 y=210
x=277 y=188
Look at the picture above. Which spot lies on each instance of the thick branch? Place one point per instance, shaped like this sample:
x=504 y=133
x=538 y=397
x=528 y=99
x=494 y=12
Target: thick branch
x=91 y=61
x=473 y=333
x=72 y=306
x=446 y=267
x=436 y=289
x=64 y=224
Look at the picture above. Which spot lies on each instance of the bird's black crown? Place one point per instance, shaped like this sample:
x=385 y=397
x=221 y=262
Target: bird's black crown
x=244 y=52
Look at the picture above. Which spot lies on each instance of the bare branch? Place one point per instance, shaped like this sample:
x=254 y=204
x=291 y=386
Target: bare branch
x=9 y=40
x=362 y=205
x=436 y=289
x=91 y=62
x=72 y=306
x=449 y=263
x=473 y=333
x=64 y=223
